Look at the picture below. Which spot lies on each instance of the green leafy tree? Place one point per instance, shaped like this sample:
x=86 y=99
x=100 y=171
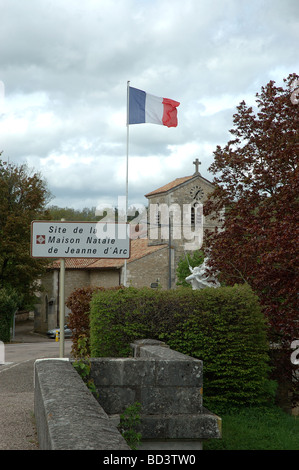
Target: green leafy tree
x=194 y=259
x=70 y=214
x=88 y=214
x=257 y=181
x=23 y=197
x=9 y=302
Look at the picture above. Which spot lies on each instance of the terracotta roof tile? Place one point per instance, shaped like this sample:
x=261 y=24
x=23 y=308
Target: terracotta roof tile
x=170 y=185
x=177 y=182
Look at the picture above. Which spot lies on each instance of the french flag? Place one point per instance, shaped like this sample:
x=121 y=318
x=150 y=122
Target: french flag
x=146 y=108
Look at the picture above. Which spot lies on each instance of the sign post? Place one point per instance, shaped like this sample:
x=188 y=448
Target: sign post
x=61 y=239
x=61 y=306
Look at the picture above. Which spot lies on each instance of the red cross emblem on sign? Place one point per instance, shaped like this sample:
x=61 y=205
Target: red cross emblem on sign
x=40 y=239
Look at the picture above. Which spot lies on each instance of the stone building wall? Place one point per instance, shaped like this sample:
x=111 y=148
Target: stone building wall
x=149 y=269
x=46 y=308
x=46 y=314
x=107 y=278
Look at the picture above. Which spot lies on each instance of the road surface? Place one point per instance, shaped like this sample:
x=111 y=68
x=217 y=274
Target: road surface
x=17 y=425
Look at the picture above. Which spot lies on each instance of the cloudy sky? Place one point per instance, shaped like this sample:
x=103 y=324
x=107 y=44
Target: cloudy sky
x=64 y=67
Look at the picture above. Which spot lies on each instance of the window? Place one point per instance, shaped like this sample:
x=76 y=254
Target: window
x=196 y=214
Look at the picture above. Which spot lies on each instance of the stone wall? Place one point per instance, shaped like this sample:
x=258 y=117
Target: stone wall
x=105 y=278
x=149 y=269
x=169 y=387
x=67 y=415
x=166 y=383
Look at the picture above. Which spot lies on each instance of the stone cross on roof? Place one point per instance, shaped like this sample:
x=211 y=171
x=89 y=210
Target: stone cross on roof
x=196 y=163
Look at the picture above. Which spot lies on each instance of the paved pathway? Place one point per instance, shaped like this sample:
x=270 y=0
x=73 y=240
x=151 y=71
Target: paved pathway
x=17 y=425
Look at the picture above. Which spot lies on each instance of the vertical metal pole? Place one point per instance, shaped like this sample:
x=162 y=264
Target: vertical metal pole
x=14 y=325
x=127 y=161
x=61 y=305
x=127 y=173
x=2 y=353
x=169 y=253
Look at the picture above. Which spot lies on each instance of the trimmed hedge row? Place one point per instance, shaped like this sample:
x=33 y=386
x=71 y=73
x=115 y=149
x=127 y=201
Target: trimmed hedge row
x=223 y=326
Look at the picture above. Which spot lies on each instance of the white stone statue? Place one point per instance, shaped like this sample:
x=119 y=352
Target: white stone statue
x=199 y=278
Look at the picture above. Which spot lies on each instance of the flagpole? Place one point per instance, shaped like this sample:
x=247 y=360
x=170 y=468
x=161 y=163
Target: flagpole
x=127 y=163
x=127 y=173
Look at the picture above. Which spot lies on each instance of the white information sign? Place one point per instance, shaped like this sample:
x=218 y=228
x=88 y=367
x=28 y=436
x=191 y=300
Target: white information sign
x=51 y=239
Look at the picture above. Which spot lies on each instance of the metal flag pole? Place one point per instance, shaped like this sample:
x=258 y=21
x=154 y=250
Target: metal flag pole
x=127 y=173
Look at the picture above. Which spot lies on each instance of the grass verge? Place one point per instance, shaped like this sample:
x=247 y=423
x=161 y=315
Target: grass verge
x=257 y=429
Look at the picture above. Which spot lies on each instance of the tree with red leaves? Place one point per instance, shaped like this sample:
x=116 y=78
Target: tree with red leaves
x=257 y=183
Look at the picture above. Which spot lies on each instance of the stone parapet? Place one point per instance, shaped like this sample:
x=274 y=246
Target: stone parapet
x=68 y=417
x=167 y=384
x=169 y=387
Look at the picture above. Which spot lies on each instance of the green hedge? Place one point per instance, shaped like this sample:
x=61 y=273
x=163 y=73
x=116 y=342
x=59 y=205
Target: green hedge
x=224 y=327
x=9 y=301
x=78 y=320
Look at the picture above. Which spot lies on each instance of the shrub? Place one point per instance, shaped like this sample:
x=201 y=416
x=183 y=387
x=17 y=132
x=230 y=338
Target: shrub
x=183 y=270
x=129 y=421
x=79 y=304
x=78 y=320
x=9 y=301
x=117 y=318
x=224 y=327
x=228 y=332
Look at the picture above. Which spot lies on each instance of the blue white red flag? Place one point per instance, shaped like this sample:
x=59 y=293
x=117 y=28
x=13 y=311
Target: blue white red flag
x=147 y=108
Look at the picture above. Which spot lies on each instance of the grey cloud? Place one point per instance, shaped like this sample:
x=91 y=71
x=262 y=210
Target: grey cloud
x=65 y=66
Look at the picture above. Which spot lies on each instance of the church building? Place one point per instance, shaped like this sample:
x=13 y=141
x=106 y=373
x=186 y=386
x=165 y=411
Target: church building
x=176 y=217
x=174 y=226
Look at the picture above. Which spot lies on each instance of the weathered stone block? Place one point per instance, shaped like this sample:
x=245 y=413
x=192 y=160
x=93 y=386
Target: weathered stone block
x=115 y=400
x=184 y=373
x=181 y=426
x=126 y=372
x=170 y=400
